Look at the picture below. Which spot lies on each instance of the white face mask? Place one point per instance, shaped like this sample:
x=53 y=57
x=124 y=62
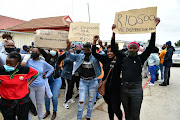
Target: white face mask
x=52 y=52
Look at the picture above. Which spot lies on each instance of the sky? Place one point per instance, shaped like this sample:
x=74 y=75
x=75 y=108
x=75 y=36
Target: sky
x=101 y=11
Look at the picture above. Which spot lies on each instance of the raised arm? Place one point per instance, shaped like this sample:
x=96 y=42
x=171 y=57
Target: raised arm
x=114 y=49
x=60 y=58
x=2 y=43
x=68 y=54
x=45 y=55
x=151 y=45
x=101 y=58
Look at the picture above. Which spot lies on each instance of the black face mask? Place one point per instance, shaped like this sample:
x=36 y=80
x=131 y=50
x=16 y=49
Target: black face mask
x=132 y=54
x=9 y=49
x=87 y=54
x=78 y=51
x=34 y=56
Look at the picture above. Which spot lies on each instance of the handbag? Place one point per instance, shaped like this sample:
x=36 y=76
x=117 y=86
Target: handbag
x=102 y=84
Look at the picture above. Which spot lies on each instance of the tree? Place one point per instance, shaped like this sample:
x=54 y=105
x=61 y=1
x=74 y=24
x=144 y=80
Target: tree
x=177 y=44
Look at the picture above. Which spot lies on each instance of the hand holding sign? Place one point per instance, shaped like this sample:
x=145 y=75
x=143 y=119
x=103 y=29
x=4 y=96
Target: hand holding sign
x=136 y=21
x=157 y=20
x=96 y=37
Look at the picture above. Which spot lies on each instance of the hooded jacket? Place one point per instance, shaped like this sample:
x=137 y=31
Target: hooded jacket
x=168 y=56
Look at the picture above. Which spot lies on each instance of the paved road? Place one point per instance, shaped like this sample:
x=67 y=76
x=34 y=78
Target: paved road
x=159 y=103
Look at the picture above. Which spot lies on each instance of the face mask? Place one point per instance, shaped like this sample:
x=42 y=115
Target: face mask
x=30 y=52
x=59 y=53
x=52 y=52
x=87 y=54
x=132 y=54
x=34 y=56
x=9 y=49
x=9 y=68
x=124 y=47
x=78 y=51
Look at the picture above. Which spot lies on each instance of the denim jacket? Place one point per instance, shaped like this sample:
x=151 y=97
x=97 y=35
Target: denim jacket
x=79 y=58
x=67 y=69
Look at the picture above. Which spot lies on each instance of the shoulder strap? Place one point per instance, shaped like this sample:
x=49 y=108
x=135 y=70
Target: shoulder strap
x=108 y=74
x=112 y=66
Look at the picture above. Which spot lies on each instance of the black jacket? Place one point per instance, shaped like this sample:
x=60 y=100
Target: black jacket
x=52 y=61
x=114 y=79
x=168 y=56
x=132 y=66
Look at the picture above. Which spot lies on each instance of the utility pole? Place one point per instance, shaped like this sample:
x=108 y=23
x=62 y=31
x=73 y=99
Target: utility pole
x=88 y=12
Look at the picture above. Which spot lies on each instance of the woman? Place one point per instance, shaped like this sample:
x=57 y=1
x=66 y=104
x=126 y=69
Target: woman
x=112 y=90
x=54 y=81
x=132 y=94
x=153 y=63
x=37 y=87
x=14 y=91
x=67 y=76
x=89 y=71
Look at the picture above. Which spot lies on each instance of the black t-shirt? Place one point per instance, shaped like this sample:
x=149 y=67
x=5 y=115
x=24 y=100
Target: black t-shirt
x=87 y=69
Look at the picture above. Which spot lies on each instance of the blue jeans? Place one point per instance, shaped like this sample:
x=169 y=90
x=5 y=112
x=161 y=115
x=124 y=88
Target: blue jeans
x=97 y=94
x=162 y=71
x=55 y=85
x=152 y=70
x=86 y=87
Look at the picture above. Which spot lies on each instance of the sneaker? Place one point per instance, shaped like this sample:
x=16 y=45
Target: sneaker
x=66 y=105
x=150 y=84
x=160 y=81
x=71 y=101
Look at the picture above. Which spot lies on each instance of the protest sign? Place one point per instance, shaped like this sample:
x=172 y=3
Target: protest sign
x=83 y=31
x=136 y=21
x=51 y=38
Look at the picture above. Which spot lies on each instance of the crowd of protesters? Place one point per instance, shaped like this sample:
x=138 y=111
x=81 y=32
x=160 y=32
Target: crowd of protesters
x=32 y=76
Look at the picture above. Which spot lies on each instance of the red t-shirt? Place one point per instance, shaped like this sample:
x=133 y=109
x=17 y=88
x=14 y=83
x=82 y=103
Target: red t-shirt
x=14 y=85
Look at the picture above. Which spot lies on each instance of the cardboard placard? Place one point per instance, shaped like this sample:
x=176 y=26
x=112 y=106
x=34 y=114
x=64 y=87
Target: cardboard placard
x=136 y=21
x=83 y=31
x=51 y=38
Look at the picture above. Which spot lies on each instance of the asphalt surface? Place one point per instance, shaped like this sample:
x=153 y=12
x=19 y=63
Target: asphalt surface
x=159 y=103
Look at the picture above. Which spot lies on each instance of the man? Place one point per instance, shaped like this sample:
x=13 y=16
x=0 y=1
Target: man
x=25 y=50
x=9 y=46
x=167 y=63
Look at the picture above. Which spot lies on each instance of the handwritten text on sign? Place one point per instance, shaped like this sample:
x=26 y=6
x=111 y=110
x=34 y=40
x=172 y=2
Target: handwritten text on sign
x=51 y=38
x=83 y=31
x=136 y=21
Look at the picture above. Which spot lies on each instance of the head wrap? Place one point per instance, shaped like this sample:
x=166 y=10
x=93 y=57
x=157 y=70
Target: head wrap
x=133 y=43
x=79 y=46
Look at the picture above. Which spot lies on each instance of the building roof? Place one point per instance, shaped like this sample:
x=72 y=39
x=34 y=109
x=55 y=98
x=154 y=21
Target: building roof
x=6 y=22
x=51 y=22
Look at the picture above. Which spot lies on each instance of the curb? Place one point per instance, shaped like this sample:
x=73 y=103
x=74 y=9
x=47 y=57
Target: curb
x=98 y=103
